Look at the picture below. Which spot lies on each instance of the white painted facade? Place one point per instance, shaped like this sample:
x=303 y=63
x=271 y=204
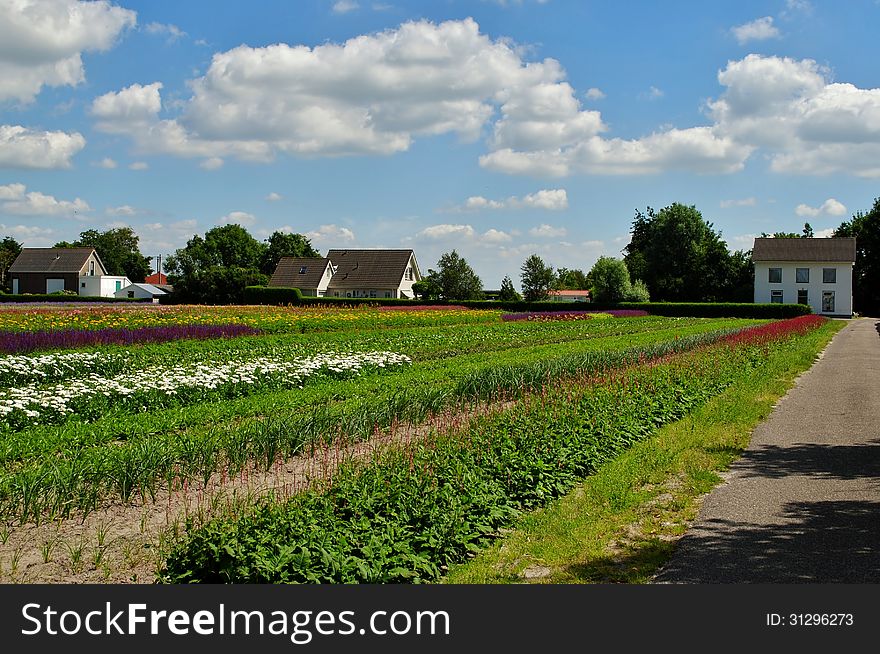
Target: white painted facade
x=818 y=292
x=102 y=285
x=140 y=292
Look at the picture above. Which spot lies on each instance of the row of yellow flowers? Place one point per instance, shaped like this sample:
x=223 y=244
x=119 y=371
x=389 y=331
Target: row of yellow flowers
x=270 y=319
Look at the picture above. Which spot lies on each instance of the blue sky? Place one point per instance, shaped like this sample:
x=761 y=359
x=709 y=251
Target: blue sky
x=496 y=128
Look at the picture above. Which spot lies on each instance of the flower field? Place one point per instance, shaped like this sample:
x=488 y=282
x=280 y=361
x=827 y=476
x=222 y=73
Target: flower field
x=491 y=416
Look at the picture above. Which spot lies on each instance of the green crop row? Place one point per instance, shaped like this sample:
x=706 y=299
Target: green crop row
x=51 y=472
x=409 y=513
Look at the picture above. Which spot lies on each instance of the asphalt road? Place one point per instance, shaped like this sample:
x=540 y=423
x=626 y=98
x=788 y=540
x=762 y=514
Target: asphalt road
x=803 y=503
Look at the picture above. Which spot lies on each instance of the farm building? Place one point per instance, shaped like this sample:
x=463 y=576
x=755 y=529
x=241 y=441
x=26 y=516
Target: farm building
x=813 y=271
x=140 y=292
x=570 y=296
x=351 y=274
x=50 y=270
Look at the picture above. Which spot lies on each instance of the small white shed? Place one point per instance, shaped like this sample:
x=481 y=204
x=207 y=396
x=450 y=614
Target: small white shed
x=140 y=292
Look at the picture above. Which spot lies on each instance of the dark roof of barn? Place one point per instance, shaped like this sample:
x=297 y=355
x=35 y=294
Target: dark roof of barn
x=53 y=260
x=368 y=268
x=287 y=272
x=804 y=249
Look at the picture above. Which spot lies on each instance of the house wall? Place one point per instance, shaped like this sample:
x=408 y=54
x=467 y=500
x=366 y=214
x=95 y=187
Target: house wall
x=87 y=268
x=789 y=286
x=101 y=286
x=405 y=288
x=36 y=282
x=376 y=293
x=137 y=292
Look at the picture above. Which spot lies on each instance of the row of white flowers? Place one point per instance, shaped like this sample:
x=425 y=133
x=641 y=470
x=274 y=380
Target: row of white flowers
x=47 y=401
x=16 y=368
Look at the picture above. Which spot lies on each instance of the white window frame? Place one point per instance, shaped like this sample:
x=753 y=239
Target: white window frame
x=770 y=272
x=774 y=294
x=826 y=275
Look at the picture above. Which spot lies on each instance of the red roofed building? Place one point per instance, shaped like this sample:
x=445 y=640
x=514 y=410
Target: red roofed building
x=157 y=278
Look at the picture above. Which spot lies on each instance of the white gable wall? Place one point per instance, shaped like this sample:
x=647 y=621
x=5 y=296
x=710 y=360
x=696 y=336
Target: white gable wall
x=815 y=287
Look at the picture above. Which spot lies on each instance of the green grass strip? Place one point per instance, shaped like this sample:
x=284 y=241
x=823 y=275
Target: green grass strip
x=620 y=524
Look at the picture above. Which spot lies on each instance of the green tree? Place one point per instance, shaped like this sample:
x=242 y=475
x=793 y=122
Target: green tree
x=118 y=249
x=508 y=292
x=865 y=227
x=427 y=288
x=678 y=255
x=571 y=280
x=9 y=251
x=216 y=268
x=281 y=244
x=611 y=282
x=536 y=279
x=638 y=292
x=808 y=231
x=456 y=279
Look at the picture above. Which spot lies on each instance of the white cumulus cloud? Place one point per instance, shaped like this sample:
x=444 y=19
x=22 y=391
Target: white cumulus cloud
x=830 y=207
x=759 y=29
x=742 y=202
x=548 y=231
x=546 y=199
x=330 y=235
x=237 y=218
x=274 y=197
x=16 y=201
x=21 y=147
x=344 y=6
x=42 y=41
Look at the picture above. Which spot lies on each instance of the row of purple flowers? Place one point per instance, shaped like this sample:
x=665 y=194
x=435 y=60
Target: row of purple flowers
x=18 y=342
x=573 y=315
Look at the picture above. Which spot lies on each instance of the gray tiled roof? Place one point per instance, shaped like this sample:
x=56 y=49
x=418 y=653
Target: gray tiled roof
x=287 y=273
x=804 y=249
x=51 y=260
x=368 y=268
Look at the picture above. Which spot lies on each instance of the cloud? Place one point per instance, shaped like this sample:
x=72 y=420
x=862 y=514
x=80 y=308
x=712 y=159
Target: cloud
x=15 y=201
x=548 y=231
x=30 y=235
x=21 y=147
x=138 y=165
x=173 y=32
x=653 y=93
x=107 y=163
x=212 y=163
x=330 y=235
x=496 y=236
x=594 y=94
x=464 y=233
x=237 y=218
x=759 y=29
x=547 y=199
x=274 y=197
x=41 y=43
x=344 y=6
x=824 y=233
x=124 y=210
x=830 y=207
x=743 y=202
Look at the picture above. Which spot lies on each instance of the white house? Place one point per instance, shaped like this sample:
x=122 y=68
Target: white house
x=813 y=271
x=351 y=274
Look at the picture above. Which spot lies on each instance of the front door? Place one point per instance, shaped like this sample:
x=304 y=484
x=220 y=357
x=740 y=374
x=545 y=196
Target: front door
x=827 y=301
x=15 y=286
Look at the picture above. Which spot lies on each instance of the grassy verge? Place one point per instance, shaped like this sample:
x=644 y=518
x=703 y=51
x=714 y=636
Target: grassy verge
x=621 y=523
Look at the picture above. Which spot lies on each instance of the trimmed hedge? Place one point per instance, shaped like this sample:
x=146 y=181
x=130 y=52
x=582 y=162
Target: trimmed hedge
x=280 y=296
x=59 y=297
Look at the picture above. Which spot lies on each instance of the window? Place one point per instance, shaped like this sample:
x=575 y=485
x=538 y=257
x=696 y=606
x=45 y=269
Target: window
x=409 y=274
x=91 y=268
x=803 y=296
x=775 y=276
x=131 y=295
x=387 y=293
x=827 y=301
x=829 y=275
x=372 y=293
x=83 y=285
x=776 y=297
x=303 y=269
x=802 y=275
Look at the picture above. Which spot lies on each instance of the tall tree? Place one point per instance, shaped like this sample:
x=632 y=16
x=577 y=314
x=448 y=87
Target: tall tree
x=281 y=244
x=216 y=268
x=678 y=255
x=456 y=279
x=536 y=279
x=118 y=249
x=9 y=251
x=508 y=292
x=865 y=227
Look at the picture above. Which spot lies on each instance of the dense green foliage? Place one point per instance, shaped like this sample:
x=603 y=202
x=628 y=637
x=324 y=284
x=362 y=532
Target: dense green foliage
x=536 y=279
x=66 y=297
x=682 y=259
x=443 y=498
x=455 y=278
x=611 y=283
x=866 y=273
x=508 y=292
x=9 y=251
